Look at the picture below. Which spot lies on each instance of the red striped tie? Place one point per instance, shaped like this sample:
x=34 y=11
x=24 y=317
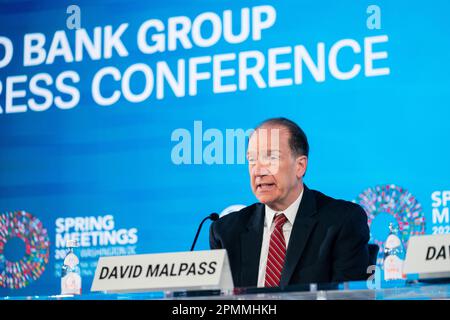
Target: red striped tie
x=277 y=253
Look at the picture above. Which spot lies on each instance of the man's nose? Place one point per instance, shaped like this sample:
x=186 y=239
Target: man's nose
x=261 y=169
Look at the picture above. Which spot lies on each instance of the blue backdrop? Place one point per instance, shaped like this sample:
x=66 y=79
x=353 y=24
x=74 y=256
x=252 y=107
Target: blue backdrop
x=108 y=175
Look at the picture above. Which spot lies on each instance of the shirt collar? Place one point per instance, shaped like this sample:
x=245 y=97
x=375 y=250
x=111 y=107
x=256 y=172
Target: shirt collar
x=290 y=212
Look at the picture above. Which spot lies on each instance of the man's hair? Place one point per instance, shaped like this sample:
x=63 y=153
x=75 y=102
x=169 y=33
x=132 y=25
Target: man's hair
x=297 y=138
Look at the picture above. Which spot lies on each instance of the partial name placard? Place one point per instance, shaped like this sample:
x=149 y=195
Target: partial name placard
x=428 y=256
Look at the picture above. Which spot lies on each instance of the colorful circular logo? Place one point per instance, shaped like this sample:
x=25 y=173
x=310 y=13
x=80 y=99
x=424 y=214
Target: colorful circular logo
x=397 y=202
x=20 y=224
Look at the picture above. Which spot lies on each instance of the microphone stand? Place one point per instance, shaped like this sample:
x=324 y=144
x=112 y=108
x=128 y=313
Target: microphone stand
x=213 y=217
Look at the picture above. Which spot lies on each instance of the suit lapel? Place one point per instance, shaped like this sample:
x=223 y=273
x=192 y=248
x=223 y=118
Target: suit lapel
x=303 y=225
x=251 y=241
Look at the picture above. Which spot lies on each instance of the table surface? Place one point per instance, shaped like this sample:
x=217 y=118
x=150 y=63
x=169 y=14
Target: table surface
x=348 y=291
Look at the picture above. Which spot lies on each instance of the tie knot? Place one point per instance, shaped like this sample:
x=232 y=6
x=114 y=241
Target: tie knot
x=280 y=220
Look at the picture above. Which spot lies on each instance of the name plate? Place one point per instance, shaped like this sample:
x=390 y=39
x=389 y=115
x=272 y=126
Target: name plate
x=193 y=270
x=428 y=256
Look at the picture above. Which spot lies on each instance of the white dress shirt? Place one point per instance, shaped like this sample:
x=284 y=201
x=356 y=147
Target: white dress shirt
x=290 y=214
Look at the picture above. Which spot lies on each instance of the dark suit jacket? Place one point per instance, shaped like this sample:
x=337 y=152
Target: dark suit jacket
x=328 y=242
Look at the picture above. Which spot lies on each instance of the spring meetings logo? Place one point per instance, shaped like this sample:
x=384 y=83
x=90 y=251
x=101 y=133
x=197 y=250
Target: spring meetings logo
x=24 y=249
x=399 y=204
x=97 y=236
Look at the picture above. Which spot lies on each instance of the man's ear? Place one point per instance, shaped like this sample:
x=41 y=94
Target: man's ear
x=302 y=164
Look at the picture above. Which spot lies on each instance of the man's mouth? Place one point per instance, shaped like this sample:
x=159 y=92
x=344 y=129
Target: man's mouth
x=265 y=186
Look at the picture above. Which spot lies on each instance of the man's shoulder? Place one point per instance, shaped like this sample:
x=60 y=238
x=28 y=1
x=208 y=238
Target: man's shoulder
x=337 y=207
x=239 y=218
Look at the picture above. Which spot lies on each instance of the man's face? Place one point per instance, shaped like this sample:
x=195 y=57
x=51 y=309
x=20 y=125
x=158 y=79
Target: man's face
x=275 y=173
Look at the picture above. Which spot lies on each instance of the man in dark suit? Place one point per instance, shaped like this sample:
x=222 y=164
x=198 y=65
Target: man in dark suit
x=294 y=235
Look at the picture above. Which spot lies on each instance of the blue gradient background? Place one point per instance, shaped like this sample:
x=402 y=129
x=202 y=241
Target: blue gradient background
x=94 y=160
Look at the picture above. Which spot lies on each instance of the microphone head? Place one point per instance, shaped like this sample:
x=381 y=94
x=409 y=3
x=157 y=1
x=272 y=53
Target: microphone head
x=214 y=216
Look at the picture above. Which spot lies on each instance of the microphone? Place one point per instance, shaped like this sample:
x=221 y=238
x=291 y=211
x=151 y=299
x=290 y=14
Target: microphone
x=213 y=216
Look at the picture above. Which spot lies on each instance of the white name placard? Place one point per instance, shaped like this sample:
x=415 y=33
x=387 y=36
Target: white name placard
x=193 y=270
x=428 y=256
